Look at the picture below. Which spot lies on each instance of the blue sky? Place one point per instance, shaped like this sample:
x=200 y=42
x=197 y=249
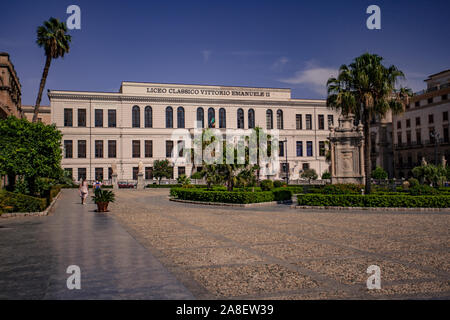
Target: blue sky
x=287 y=44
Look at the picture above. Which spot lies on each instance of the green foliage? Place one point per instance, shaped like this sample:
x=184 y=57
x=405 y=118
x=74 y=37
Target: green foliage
x=422 y=189
x=222 y=196
x=430 y=174
x=15 y=202
x=379 y=174
x=309 y=174
x=267 y=185
x=197 y=175
x=282 y=194
x=354 y=200
x=183 y=180
x=326 y=175
x=413 y=182
x=29 y=150
x=345 y=188
x=158 y=186
x=278 y=183
x=21 y=186
x=101 y=195
x=295 y=189
x=162 y=169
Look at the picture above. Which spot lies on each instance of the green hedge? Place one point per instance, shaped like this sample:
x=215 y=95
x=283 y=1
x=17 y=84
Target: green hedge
x=16 y=202
x=282 y=194
x=221 y=196
x=353 y=200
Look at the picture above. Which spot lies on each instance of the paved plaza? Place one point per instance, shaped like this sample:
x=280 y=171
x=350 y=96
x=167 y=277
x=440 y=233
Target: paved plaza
x=148 y=247
x=277 y=252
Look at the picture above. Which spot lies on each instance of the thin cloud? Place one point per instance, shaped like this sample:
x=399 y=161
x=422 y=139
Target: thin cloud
x=251 y=53
x=206 y=55
x=312 y=77
x=279 y=63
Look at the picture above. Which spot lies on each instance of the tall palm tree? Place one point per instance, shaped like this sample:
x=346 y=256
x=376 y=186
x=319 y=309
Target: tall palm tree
x=53 y=38
x=367 y=89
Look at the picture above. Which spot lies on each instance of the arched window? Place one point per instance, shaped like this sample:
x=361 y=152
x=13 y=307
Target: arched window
x=279 y=119
x=148 y=117
x=211 y=118
x=200 y=118
x=251 y=118
x=136 y=117
x=240 y=118
x=180 y=117
x=222 y=118
x=169 y=117
x=269 y=119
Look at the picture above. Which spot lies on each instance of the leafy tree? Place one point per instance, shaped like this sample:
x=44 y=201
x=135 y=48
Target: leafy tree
x=29 y=150
x=367 y=89
x=162 y=169
x=53 y=38
x=211 y=175
x=326 y=175
x=430 y=174
x=309 y=174
x=379 y=174
x=183 y=180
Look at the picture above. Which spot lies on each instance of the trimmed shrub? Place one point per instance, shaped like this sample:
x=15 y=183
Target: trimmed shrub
x=282 y=194
x=295 y=189
x=345 y=188
x=220 y=196
x=278 y=183
x=163 y=186
x=16 y=202
x=326 y=175
x=354 y=200
x=413 y=182
x=422 y=189
x=267 y=185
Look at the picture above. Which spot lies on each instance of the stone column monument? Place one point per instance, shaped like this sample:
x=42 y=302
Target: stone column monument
x=347 y=152
x=140 y=182
x=114 y=181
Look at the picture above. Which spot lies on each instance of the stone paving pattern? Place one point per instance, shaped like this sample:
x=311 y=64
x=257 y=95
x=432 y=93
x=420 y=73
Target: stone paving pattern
x=277 y=252
x=36 y=251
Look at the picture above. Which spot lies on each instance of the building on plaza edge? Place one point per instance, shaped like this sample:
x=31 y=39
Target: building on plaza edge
x=135 y=125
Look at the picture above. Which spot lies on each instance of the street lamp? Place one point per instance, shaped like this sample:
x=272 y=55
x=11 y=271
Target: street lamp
x=435 y=135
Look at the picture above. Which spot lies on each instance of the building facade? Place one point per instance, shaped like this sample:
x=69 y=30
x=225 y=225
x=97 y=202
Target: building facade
x=44 y=114
x=10 y=89
x=422 y=131
x=136 y=125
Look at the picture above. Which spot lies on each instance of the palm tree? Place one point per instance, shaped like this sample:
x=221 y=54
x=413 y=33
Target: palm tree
x=53 y=38
x=367 y=89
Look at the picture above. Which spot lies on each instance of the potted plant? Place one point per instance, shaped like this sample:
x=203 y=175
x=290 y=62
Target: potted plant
x=102 y=198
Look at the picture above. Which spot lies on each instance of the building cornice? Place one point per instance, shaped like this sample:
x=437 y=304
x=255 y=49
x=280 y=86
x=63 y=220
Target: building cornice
x=170 y=100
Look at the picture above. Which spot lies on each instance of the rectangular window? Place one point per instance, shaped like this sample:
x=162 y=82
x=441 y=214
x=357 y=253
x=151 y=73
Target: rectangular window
x=408 y=123
x=148 y=145
x=308 y=122
x=281 y=149
x=430 y=100
x=408 y=138
x=112 y=118
x=69 y=172
x=98 y=118
x=399 y=138
x=444 y=97
x=299 y=145
x=445 y=131
x=322 y=148
x=68 y=117
x=399 y=124
x=81 y=174
x=110 y=172
x=68 y=149
x=112 y=148
x=417 y=104
x=321 y=120
x=445 y=116
x=135 y=173
x=305 y=166
x=81 y=148
x=148 y=173
x=430 y=118
x=99 y=148
x=99 y=173
x=269 y=148
x=298 y=122
x=309 y=148
x=82 y=117
x=136 y=144
x=418 y=137
x=181 y=171
x=431 y=134
x=180 y=146
x=169 y=148
x=417 y=121
x=330 y=120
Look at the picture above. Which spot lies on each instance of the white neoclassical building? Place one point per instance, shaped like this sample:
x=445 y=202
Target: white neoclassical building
x=137 y=123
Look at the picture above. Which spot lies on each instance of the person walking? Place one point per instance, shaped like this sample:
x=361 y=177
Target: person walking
x=84 y=190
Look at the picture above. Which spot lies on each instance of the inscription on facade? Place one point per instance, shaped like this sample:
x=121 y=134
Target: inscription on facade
x=207 y=92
